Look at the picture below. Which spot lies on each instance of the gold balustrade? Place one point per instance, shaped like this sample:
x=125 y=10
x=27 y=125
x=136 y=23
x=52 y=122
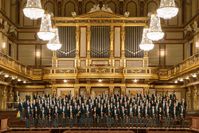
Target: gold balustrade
x=13 y=66
x=188 y=65
x=101 y=72
x=94 y=71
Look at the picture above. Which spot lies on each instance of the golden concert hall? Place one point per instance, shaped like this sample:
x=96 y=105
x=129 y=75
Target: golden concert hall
x=103 y=66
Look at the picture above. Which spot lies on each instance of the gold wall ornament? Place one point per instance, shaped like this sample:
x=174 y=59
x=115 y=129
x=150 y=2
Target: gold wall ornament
x=100 y=18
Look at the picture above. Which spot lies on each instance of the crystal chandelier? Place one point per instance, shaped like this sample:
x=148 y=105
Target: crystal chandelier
x=167 y=9
x=146 y=44
x=155 y=31
x=33 y=9
x=46 y=33
x=54 y=44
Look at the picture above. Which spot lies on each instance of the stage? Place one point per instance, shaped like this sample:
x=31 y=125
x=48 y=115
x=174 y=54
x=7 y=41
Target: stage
x=102 y=130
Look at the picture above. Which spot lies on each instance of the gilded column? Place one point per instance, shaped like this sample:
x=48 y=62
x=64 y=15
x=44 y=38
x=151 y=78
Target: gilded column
x=111 y=90
x=146 y=90
x=123 y=62
x=188 y=99
x=146 y=59
x=54 y=59
x=111 y=45
x=88 y=90
x=77 y=46
x=198 y=98
x=195 y=98
x=4 y=99
x=76 y=90
x=1 y=95
x=11 y=97
x=88 y=35
x=123 y=90
x=53 y=88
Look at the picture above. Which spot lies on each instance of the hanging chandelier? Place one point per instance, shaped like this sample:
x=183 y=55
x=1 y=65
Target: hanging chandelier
x=33 y=9
x=46 y=33
x=54 y=44
x=167 y=9
x=146 y=44
x=155 y=31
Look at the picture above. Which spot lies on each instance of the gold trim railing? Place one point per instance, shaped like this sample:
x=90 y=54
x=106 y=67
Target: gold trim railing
x=141 y=70
x=14 y=66
x=188 y=65
x=58 y=70
x=104 y=71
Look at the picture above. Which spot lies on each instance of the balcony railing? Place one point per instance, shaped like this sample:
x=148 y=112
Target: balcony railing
x=188 y=65
x=14 y=66
x=101 y=72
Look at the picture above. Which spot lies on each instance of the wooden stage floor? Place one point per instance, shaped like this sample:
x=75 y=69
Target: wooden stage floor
x=101 y=130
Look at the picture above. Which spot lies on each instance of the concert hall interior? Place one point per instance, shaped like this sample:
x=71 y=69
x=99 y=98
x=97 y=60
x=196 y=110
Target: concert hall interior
x=99 y=66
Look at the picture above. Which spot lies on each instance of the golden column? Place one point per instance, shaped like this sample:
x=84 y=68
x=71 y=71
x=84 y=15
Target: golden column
x=195 y=98
x=111 y=90
x=111 y=61
x=4 y=98
x=54 y=59
x=146 y=59
x=88 y=90
x=123 y=90
x=146 y=90
x=77 y=61
x=88 y=35
x=188 y=99
x=53 y=87
x=76 y=88
x=123 y=62
x=11 y=97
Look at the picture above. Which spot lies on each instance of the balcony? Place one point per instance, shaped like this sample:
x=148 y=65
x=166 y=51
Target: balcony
x=74 y=71
x=189 y=65
x=100 y=68
x=12 y=66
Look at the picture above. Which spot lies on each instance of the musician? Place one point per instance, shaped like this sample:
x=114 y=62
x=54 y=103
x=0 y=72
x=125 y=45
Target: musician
x=71 y=120
x=116 y=110
x=27 y=117
x=56 y=117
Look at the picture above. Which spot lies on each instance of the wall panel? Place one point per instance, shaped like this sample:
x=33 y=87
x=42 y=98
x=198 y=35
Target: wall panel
x=83 y=42
x=26 y=54
x=173 y=57
x=154 y=56
x=68 y=8
x=151 y=6
x=132 y=8
x=117 y=42
x=46 y=56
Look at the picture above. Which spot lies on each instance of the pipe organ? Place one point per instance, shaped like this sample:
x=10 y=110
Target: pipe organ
x=68 y=40
x=100 y=42
x=133 y=36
